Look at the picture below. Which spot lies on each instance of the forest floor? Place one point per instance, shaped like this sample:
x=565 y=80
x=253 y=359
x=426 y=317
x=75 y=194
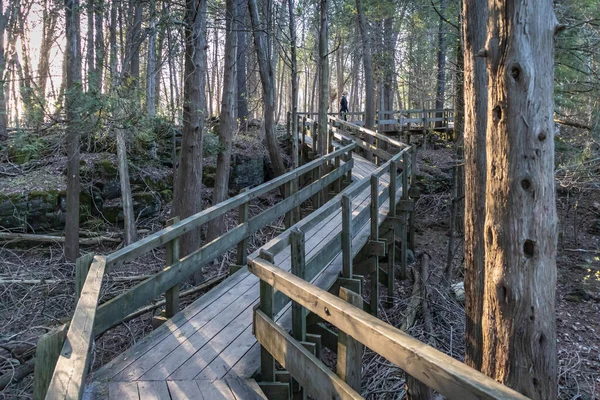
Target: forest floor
x=27 y=310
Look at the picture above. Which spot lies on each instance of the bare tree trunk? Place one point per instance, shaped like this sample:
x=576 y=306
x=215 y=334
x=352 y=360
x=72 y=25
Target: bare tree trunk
x=519 y=319
x=323 y=142
x=294 y=80
x=130 y=234
x=91 y=80
x=3 y=111
x=99 y=43
x=188 y=196
x=151 y=63
x=227 y=123
x=48 y=35
x=266 y=77
x=114 y=72
x=241 y=77
x=441 y=64
x=73 y=90
x=475 y=97
x=368 y=69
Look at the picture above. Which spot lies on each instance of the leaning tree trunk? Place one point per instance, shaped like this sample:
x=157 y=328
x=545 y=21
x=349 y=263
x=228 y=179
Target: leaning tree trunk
x=188 y=197
x=266 y=77
x=519 y=320
x=227 y=122
x=3 y=111
x=475 y=98
x=323 y=139
x=73 y=97
x=368 y=69
x=126 y=198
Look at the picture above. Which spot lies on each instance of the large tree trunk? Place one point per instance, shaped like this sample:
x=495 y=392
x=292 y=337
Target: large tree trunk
x=294 y=79
x=99 y=43
x=242 y=100
x=475 y=97
x=114 y=72
x=91 y=79
x=323 y=142
x=48 y=36
x=441 y=64
x=3 y=111
x=73 y=91
x=151 y=63
x=519 y=320
x=368 y=69
x=227 y=123
x=267 y=77
x=188 y=183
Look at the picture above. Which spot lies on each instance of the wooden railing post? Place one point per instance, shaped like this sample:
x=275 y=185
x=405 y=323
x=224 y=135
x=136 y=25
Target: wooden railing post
x=47 y=352
x=347 y=236
x=298 y=268
x=303 y=148
x=349 y=351
x=172 y=294
x=242 y=247
x=392 y=243
x=267 y=362
x=403 y=218
x=337 y=186
x=414 y=195
x=374 y=238
x=82 y=267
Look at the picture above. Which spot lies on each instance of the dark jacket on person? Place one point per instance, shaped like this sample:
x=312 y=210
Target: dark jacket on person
x=344 y=104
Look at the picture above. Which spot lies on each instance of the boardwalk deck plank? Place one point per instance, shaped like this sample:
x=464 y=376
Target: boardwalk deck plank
x=192 y=354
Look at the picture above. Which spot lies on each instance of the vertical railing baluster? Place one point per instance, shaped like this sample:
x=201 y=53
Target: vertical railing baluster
x=347 y=236
x=242 y=247
x=374 y=238
x=172 y=257
x=392 y=243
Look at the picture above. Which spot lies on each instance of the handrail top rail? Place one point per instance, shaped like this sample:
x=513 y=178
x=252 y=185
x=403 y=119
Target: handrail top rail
x=369 y=132
x=438 y=370
x=168 y=233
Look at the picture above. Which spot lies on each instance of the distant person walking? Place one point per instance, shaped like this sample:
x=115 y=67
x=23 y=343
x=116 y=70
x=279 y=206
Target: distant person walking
x=344 y=106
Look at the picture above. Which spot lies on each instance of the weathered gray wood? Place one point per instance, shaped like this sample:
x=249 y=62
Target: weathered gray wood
x=73 y=362
x=215 y=390
x=313 y=375
x=112 y=312
x=47 y=352
x=439 y=371
x=275 y=390
x=350 y=351
x=374 y=217
x=245 y=389
x=123 y=391
x=184 y=390
x=82 y=266
x=188 y=224
x=153 y=390
x=242 y=247
x=172 y=256
x=328 y=337
x=347 y=236
x=267 y=362
x=298 y=269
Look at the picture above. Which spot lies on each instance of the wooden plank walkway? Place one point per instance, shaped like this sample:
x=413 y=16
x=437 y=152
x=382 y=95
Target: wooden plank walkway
x=211 y=340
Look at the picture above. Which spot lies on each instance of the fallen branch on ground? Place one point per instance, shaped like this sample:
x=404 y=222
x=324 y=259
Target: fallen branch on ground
x=54 y=239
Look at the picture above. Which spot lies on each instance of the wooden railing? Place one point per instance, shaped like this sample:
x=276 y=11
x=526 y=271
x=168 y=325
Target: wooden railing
x=71 y=355
x=437 y=370
x=401 y=120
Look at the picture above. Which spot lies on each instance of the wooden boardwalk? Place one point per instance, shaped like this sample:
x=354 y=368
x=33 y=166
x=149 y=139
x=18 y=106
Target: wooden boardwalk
x=211 y=340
